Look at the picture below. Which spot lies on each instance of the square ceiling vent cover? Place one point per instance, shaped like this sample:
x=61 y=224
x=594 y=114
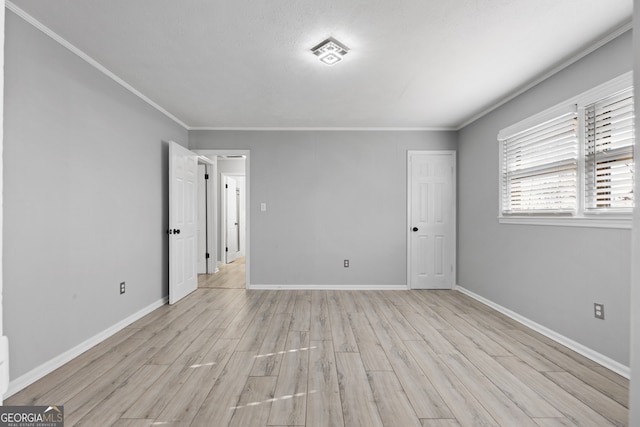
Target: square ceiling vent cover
x=330 y=51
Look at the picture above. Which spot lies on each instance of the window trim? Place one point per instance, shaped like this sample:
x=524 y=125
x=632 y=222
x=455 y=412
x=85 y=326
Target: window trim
x=582 y=217
x=570 y=221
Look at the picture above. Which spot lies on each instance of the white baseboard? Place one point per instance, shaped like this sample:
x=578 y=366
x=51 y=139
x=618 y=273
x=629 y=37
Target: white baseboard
x=320 y=287
x=53 y=364
x=587 y=352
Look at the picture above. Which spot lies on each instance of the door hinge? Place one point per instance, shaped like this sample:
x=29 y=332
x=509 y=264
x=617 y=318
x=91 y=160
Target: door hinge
x=226 y=249
x=226 y=186
x=206 y=176
x=207 y=255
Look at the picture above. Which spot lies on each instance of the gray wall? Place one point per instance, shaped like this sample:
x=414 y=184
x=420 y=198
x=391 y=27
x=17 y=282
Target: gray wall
x=551 y=275
x=85 y=199
x=331 y=195
x=634 y=398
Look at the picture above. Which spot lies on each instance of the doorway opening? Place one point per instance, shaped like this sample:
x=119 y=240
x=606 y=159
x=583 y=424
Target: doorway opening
x=233 y=213
x=224 y=257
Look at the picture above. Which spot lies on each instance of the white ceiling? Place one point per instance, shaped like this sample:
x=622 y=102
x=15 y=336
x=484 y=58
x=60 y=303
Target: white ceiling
x=247 y=64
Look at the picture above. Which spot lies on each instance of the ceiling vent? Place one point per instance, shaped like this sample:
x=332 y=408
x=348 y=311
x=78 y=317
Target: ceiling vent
x=330 y=51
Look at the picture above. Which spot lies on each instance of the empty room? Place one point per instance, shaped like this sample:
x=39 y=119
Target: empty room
x=330 y=213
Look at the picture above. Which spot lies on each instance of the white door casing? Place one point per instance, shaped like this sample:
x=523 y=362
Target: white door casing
x=183 y=222
x=206 y=222
x=218 y=213
x=231 y=219
x=202 y=219
x=4 y=341
x=242 y=215
x=431 y=219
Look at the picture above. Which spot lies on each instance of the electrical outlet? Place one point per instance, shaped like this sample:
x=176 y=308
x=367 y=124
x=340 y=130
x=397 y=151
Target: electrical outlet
x=598 y=310
x=346 y=263
x=122 y=288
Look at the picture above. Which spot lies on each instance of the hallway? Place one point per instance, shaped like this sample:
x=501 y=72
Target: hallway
x=229 y=276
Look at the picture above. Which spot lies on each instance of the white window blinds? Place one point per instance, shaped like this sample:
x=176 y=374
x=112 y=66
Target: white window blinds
x=540 y=167
x=609 y=164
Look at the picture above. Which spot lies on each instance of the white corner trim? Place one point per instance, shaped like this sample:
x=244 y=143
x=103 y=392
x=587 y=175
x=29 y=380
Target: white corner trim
x=49 y=32
x=53 y=364
x=326 y=287
x=599 y=358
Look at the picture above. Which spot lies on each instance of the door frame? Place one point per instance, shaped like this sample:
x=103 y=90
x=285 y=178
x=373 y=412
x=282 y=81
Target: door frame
x=209 y=234
x=454 y=207
x=247 y=199
x=4 y=341
x=223 y=214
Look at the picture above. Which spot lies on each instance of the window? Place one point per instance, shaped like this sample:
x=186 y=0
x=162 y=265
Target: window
x=609 y=161
x=540 y=168
x=572 y=164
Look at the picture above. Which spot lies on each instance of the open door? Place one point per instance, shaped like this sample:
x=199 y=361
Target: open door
x=232 y=218
x=183 y=222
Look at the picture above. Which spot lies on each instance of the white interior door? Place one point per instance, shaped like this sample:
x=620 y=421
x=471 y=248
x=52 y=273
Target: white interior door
x=232 y=219
x=431 y=240
x=183 y=223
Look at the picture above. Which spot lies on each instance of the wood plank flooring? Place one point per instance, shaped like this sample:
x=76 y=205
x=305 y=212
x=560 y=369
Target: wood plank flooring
x=229 y=276
x=225 y=356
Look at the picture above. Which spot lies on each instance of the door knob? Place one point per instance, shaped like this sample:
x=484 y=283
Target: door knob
x=176 y=231
x=414 y=229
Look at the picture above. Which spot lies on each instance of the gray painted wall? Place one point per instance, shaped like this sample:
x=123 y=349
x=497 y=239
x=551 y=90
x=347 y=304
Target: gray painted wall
x=85 y=207
x=634 y=398
x=331 y=195
x=85 y=199
x=551 y=275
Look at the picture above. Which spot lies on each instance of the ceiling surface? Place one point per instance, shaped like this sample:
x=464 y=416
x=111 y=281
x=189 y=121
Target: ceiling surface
x=428 y=64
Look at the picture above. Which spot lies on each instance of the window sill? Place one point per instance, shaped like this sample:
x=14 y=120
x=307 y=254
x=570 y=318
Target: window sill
x=593 y=222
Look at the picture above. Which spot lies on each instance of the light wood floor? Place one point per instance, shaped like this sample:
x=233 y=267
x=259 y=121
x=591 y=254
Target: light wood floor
x=330 y=358
x=229 y=276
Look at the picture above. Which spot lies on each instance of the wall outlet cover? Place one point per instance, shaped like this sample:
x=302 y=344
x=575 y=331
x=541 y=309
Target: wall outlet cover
x=598 y=311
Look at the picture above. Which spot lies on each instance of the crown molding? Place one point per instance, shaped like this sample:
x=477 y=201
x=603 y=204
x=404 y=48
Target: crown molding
x=315 y=129
x=626 y=26
x=56 y=37
x=49 y=32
